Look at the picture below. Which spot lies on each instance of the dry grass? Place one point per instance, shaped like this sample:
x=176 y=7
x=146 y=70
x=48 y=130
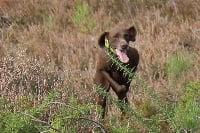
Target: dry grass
x=44 y=50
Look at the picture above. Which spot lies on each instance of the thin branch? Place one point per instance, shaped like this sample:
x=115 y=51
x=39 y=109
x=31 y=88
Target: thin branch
x=101 y=126
x=68 y=106
x=44 y=122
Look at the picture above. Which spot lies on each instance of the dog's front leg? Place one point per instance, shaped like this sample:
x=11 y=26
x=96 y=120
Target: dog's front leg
x=117 y=87
x=100 y=80
x=120 y=90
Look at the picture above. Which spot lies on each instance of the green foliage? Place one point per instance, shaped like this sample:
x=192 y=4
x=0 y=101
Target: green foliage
x=83 y=18
x=192 y=91
x=137 y=117
x=75 y=116
x=186 y=114
x=122 y=127
x=71 y=117
x=16 y=122
x=176 y=64
x=148 y=109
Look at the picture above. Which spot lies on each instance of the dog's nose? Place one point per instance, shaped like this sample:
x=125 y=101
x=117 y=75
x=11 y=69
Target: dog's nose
x=125 y=46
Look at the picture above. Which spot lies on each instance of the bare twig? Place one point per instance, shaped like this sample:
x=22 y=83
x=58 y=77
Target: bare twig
x=101 y=126
x=68 y=106
x=44 y=122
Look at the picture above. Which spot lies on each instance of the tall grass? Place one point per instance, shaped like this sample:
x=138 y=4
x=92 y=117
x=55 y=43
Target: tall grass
x=83 y=18
x=48 y=51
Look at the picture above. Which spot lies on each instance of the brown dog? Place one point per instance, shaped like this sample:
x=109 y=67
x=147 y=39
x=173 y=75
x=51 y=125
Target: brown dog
x=107 y=75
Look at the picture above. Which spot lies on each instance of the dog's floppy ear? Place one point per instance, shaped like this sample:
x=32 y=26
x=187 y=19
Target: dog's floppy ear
x=131 y=34
x=101 y=41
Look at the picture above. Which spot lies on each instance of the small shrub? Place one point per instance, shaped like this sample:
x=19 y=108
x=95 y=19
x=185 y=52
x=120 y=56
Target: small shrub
x=73 y=116
x=15 y=123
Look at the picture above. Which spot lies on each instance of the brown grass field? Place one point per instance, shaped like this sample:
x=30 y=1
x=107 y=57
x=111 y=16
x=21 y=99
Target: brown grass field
x=51 y=45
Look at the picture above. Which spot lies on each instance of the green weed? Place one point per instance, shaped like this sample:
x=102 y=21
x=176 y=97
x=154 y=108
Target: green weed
x=83 y=18
x=49 y=22
x=186 y=113
x=176 y=65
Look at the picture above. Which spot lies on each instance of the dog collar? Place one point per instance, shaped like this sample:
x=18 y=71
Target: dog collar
x=107 y=44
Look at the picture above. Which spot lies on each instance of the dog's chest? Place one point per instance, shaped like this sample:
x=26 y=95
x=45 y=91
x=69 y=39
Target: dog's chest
x=119 y=77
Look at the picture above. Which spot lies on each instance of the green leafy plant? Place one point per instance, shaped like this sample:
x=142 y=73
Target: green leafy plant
x=73 y=116
x=16 y=122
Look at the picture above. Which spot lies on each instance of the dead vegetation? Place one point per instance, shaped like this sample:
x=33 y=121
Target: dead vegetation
x=51 y=45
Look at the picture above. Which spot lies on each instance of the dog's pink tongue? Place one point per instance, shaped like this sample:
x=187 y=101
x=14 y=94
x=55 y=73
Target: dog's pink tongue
x=122 y=56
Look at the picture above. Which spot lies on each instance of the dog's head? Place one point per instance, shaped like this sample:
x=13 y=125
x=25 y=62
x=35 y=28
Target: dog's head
x=119 y=40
